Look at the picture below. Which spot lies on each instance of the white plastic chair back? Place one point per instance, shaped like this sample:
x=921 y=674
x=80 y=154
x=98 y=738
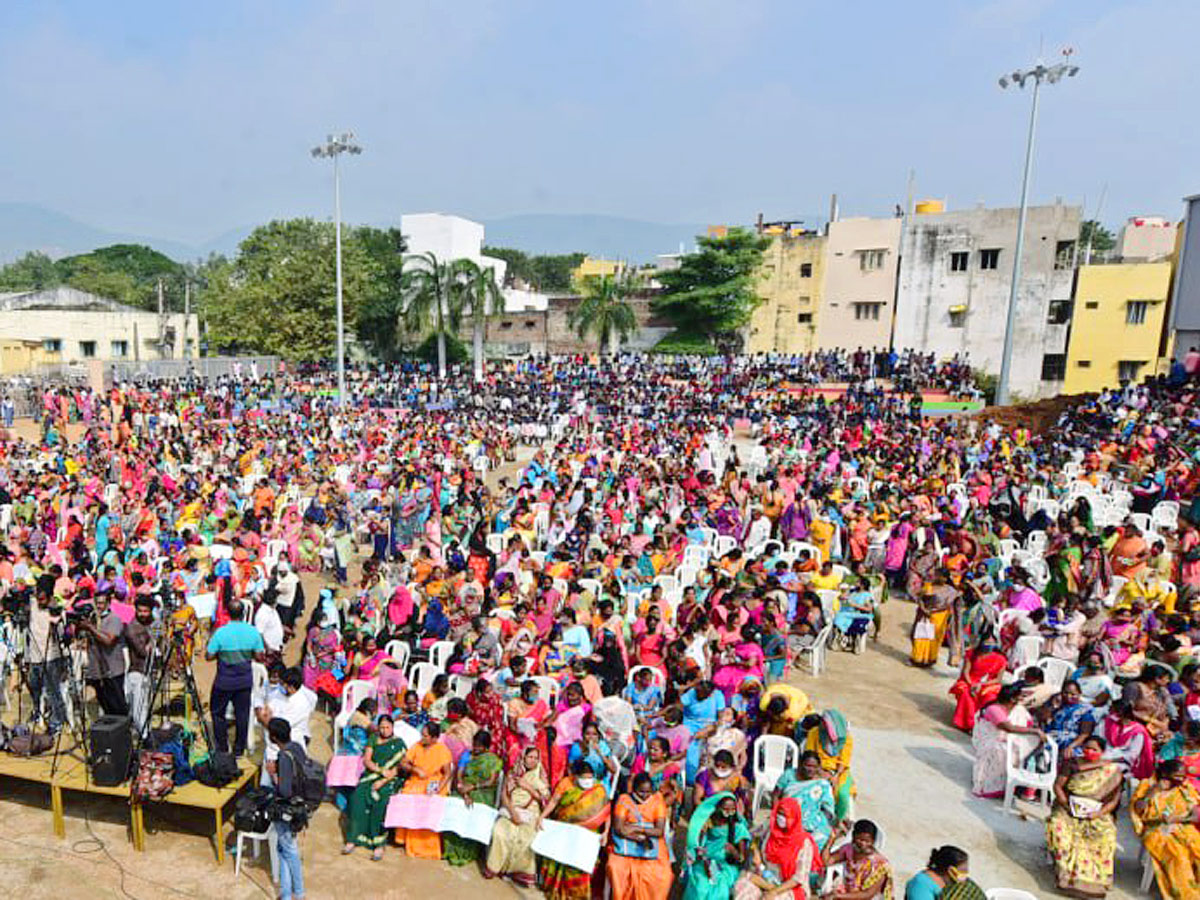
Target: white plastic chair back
x=1141 y=520
x=461 y=685
x=1057 y=671
x=667 y=582
x=658 y=677
x=400 y=652
x=355 y=692
x=495 y=543
x=547 y=689
x=421 y=678
x=773 y=755
x=723 y=544
x=816 y=652
x=439 y=654
x=1016 y=776
x=615 y=718
x=1009 y=894
x=1036 y=542
x=1027 y=649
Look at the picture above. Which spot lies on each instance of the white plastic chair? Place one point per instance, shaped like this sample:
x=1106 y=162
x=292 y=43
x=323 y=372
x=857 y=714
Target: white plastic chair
x=667 y=582
x=1027 y=649
x=256 y=837
x=1007 y=548
x=593 y=585
x=461 y=685
x=495 y=543
x=816 y=652
x=723 y=544
x=773 y=755
x=1165 y=515
x=657 y=676
x=400 y=652
x=794 y=548
x=1015 y=776
x=1009 y=894
x=547 y=689
x=439 y=654
x=1057 y=671
x=1141 y=520
x=421 y=677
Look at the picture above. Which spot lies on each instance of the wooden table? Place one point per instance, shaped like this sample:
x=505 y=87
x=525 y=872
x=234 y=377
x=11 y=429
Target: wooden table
x=199 y=796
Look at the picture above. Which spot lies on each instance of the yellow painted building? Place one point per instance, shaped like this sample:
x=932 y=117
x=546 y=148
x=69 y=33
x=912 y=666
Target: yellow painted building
x=1116 y=324
x=789 y=282
x=598 y=267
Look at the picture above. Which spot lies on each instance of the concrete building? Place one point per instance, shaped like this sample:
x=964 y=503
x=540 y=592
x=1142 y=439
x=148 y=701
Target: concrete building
x=1117 y=321
x=859 y=288
x=954 y=280
x=1146 y=239
x=596 y=267
x=789 y=283
x=63 y=325
x=1185 y=298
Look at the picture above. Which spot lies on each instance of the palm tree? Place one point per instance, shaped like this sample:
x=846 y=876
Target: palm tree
x=432 y=291
x=481 y=297
x=603 y=309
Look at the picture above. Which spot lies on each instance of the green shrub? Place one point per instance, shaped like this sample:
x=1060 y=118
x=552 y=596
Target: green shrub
x=456 y=350
x=685 y=343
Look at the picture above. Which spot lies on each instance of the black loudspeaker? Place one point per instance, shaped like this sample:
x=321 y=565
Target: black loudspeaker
x=112 y=750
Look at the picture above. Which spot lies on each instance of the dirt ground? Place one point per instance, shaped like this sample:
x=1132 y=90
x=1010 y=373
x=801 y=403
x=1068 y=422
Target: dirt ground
x=913 y=772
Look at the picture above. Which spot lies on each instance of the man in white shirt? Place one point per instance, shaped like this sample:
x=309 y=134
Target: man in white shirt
x=269 y=625
x=287 y=584
x=295 y=707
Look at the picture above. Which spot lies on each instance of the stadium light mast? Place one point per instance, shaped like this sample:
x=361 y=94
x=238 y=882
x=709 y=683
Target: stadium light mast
x=1038 y=74
x=335 y=145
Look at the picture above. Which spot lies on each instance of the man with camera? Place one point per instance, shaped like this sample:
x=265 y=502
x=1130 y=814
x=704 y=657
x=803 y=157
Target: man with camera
x=285 y=772
x=105 y=671
x=138 y=638
x=47 y=665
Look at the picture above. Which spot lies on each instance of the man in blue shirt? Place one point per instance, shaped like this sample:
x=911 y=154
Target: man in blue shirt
x=234 y=646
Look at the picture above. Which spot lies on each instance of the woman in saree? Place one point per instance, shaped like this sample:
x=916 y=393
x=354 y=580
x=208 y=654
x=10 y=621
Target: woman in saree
x=380 y=780
x=935 y=607
x=833 y=745
x=977 y=684
x=721 y=777
x=867 y=874
x=524 y=715
x=367 y=659
x=896 y=551
x=525 y=793
x=322 y=647
x=1071 y=719
x=1123 y=637
x=718 y=846
x=579 y=799
x=429 y=766
x=1081 y=833
x=788 y=862
x=650 y=639
x=485 y=708
x=1129 y=741
x=1000 y=718
x=744 y=660
x=666 y=774
x=1165 y=811
x=639 y=865
x=809 y=786
x=475 y=782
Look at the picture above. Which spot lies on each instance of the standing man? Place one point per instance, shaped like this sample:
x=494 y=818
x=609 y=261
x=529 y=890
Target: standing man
x=269 y=625
x=105 y=661
x=285 y=772
x=234 y=646
x=138 y=639
x=47 y=666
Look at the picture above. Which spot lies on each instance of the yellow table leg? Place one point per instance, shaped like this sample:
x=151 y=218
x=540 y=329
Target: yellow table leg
x=137 y=826
x=56 y=806
x=220 y=838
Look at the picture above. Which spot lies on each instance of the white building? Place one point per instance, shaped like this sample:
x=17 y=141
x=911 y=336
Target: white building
x=954 y=280
x=65 y=325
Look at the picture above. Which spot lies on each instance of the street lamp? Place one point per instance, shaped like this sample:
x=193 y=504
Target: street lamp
x=1038 y=74
x=335 y=145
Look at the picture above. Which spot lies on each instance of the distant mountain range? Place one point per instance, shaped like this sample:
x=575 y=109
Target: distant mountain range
x=25 y=227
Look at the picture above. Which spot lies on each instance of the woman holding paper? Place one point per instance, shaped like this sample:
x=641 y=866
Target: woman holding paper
x=369 y=802
x=475 y=781
x=526 y=792
x=579 y=799
x=429 y=766
x=1081 y=834
x=638 y=865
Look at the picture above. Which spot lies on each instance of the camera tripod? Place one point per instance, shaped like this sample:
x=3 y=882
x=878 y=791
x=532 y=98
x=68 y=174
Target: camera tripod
x=76 y=724
x=167 y=652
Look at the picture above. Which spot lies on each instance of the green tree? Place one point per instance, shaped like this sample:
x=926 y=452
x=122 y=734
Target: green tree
x=1100 y=238
x=712 y=291
x=481 y=298
x=133 y=270
x=542 y=273
x=603 y=310
x=381 y=310
x=92 y=275
x=433 y=294
x=517 y=263
x=277 y=296
x=32 y=272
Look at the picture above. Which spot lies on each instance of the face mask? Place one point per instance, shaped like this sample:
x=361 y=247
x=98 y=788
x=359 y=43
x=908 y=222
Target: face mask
x=781 y=821
x=1092 y=754
x=586 y=782
x=955 y=875
x=722 y=773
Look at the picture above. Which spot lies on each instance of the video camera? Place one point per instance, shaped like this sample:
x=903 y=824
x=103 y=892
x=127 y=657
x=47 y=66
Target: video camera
x=16 y=605
x=80 y=612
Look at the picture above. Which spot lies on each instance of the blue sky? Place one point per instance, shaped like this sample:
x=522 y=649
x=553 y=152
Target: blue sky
x=185 y=120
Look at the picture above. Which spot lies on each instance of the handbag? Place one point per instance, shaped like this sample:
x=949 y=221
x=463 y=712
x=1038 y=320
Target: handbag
x=924 y=631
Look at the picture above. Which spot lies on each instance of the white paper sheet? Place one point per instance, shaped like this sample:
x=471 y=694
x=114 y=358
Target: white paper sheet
x=570 y=844
x=474 y=822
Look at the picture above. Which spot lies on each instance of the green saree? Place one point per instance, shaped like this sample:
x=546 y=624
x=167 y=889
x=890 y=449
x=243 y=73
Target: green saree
x=369 y=802
x=479 y=770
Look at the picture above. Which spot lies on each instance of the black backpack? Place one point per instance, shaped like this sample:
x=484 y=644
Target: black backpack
x=218 y=770
x=252 y=811
x=308 y=778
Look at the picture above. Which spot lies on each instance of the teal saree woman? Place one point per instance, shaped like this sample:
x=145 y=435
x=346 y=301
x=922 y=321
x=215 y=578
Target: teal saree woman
x=718 y=846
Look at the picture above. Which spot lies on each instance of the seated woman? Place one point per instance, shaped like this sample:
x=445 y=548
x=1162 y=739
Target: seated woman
x=643 y=694
x=721 y=777
x=789 y=860
x=429 y=767
x=726 y=735
x=718 y=847
x=579 y=799
x=1069 y=719
x=856 y=613
x=1003 y=717
x=639 y=865
x=475 y=780
x=977 y=684
x=1096 y=684
x=526 y=792
x=834 y=746
x=380 y=780
x=866 y=873
x=744 y=660
x=346 y=767
x=810 y=787
x=592 y=749
x=524 y=714
x=1165 y=812
x=666 y=774
x=1129 y=742
x=947 y=867
x=1081 y=833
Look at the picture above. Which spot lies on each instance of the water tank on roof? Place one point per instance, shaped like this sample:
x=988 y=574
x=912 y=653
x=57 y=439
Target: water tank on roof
x=929 y=207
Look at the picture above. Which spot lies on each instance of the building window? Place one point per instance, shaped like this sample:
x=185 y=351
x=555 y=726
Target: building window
x=505 y=326
x=1135 y=312
x=806 y=270
x=1054 y=367
x=1064 y=255
x=52 y=345
x=87 y=349
x=120 y=349
x=959 y=260
x=871 y=260
x=958 y=316
x=989 y=259
x=1084 y=363
x=804 y=318
x=530 y=324
x=1127 y=370
x=1092 y=304
x=1059 y=313
x=867 y=311
x=804 y=301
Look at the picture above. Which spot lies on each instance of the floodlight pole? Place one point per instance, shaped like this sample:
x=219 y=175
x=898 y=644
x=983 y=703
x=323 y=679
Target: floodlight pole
x=1051 y=74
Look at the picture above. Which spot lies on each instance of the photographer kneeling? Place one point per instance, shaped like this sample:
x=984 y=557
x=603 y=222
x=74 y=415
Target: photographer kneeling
x=105 y=661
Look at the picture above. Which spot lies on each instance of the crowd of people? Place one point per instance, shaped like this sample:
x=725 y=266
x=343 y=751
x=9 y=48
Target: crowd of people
x=604 y=636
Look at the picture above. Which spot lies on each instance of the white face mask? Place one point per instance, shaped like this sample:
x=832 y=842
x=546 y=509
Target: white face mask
x=586 y=781
x=781 y=821
x=722 y=773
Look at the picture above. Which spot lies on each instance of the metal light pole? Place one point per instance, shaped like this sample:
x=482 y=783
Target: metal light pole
x=334 y=146
x=1038 y=74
